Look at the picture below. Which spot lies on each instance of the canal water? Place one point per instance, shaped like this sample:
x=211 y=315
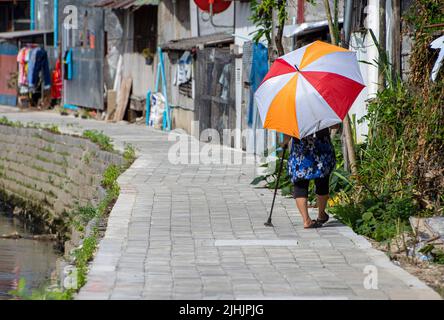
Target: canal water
x=23 y=258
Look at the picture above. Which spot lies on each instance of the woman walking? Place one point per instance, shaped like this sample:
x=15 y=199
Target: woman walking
x=304 y=91
x=311 y=158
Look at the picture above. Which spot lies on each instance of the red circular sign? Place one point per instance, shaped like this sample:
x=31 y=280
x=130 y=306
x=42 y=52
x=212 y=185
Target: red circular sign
x=218 y=5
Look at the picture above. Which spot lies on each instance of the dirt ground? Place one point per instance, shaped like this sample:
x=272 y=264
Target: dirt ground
x=431 y=273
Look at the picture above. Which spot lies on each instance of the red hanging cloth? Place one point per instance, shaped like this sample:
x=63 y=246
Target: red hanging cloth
x=57 y=81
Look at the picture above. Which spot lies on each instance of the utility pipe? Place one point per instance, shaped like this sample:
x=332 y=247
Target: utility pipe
x=211 y=2
x=32 y=15
x=347 y=22
x=56 y=23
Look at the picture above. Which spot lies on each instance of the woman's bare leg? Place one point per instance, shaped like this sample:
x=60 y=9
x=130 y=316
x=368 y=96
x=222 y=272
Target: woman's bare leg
x=322 y=204
x=302 y=205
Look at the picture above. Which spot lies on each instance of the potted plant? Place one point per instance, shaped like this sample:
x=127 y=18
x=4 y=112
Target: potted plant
x=148 y=55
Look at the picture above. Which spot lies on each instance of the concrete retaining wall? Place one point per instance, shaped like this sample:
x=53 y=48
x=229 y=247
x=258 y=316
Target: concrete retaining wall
x=54 y=172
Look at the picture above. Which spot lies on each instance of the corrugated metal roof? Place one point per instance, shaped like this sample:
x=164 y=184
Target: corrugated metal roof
x=189 y=43
x=23 y=34
x=125 y=4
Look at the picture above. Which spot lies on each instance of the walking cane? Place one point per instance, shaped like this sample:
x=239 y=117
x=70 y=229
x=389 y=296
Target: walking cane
x=268 y=223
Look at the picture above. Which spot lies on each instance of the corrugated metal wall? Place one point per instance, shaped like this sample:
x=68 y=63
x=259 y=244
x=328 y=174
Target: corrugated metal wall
x=86 y=88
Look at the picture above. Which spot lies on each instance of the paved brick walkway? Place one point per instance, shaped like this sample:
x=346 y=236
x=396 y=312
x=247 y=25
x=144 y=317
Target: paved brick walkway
x=197 y=232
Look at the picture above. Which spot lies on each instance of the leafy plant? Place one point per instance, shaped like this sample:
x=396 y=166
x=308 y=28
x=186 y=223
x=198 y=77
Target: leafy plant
x=110 y=176
x=53 y=128
x=87 y=213
x=100 y=138
x=129 y=154
x=44 y=293
x=262 y=18
x=83 y=255
x=400 y=165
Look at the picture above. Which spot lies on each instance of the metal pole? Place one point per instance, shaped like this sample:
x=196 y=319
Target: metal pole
x=167 y=117
x=56 y=23
x=219 y=25
x=347 y=22
x=32 y=15
x=281 y=165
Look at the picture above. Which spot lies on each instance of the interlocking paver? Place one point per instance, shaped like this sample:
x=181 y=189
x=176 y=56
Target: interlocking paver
x=162 y=235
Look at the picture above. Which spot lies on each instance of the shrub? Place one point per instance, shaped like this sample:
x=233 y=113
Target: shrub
x=100 y=138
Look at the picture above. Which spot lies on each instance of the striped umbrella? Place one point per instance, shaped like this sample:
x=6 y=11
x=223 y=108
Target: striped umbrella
x=309 y=89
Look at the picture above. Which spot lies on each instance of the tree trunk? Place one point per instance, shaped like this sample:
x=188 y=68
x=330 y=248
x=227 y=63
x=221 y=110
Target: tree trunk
x=280 y=32
x=272 y=43
x=350 y=154
x=396 y=40
x=382 y=44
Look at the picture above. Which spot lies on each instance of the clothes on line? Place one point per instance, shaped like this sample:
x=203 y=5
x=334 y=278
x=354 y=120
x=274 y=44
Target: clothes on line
x=22 y=59
x=259 y=68
x=57 y=81
x=41 y=64
x=67 y=64
x=183 y=74
x=224 y=80
x=32 y=62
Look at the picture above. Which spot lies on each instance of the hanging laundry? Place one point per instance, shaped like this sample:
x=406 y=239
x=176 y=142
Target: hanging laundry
x=23 y=71
x=57 y=81
x=183 y=74
x=92 y=39
x=67 y=65
x=31 y=64
x=41 y=64
x=259 y=68
x=224 y=80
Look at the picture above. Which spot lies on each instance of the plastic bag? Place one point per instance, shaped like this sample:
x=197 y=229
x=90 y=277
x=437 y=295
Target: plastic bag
x=157 y=110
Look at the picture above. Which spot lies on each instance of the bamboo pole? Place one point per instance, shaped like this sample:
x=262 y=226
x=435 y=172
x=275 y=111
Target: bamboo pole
x=330 y=23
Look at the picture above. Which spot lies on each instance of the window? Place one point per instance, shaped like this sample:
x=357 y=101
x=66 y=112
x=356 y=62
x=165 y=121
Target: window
x=145 y=29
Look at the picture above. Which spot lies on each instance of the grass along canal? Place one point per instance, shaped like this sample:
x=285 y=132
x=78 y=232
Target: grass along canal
x=65 y=183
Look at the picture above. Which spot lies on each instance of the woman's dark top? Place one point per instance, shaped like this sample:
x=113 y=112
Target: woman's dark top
x=311 y=157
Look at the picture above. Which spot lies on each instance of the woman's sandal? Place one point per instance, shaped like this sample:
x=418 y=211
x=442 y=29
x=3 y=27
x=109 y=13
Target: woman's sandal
x=322 y=221
x=314 y=224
